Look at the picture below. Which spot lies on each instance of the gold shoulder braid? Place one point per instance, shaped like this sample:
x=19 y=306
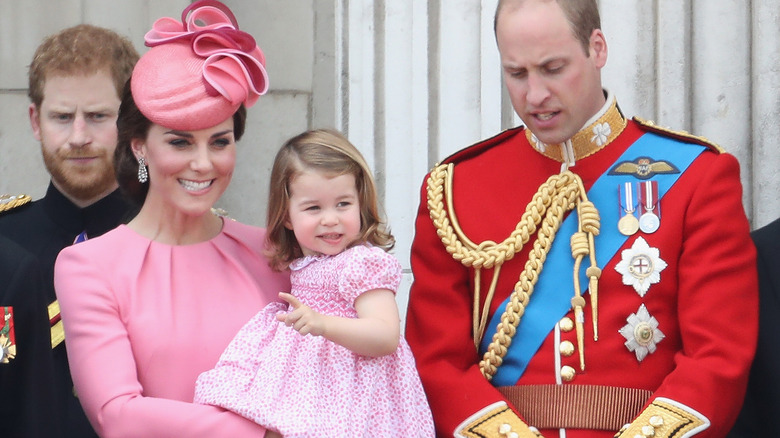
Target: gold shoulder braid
x=9 y=202
x=686 y=136
x=559 y=194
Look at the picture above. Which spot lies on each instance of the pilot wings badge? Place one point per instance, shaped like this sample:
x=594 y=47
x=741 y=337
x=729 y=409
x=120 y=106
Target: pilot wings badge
x=643 y=168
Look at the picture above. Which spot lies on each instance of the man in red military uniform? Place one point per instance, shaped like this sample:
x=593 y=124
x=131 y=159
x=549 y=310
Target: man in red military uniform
x=580 y=276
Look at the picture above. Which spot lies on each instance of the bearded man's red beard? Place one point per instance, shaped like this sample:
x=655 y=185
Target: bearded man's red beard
x=81 y=181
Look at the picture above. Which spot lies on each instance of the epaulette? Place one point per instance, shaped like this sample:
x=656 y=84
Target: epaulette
x=9 y=202
x=481 y=146
x=683 y=136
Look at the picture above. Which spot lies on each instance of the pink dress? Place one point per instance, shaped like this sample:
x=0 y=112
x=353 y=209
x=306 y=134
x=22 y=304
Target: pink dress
x=308 y=386
x=144 y=319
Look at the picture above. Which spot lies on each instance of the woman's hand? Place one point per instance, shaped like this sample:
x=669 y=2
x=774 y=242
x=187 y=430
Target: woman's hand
x=302 y=318
x=272 y=434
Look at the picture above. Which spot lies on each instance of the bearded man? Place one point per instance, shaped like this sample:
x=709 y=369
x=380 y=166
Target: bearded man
x=75 y=82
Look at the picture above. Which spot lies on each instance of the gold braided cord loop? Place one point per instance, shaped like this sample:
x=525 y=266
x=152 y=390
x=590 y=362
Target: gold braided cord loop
x=487 y=254
x=564 y=200
x=554 y=198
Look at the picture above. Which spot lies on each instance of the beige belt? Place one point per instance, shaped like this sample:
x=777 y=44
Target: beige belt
x=576 y=406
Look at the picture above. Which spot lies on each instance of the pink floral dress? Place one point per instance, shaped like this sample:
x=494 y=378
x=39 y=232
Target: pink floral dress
x=308 y=386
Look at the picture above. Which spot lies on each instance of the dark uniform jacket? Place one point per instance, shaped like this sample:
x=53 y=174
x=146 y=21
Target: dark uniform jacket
x=26 y=378
x=43 y=228
x=762 y=402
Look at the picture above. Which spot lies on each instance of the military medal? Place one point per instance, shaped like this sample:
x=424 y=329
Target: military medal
x=7 y=335
x=640 y=266
x=650 y=218
x=641 y=333
x=649 y=223
x=628 y=224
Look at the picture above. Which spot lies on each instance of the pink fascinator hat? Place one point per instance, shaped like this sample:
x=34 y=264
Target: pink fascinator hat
x=199 y=70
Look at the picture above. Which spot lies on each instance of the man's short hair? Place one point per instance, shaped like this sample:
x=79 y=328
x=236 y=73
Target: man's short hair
x=583 y=17
x=81 y=50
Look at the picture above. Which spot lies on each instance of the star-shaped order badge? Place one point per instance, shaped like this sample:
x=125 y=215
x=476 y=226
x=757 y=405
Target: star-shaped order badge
x=641 y=333
x=640 y=266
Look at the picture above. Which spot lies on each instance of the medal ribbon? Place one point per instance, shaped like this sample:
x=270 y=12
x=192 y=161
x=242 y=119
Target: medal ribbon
x=648 y=195
x=551 y=299
x=628 y=204
x=627 y=198
x=82 y=237
x=7 y=323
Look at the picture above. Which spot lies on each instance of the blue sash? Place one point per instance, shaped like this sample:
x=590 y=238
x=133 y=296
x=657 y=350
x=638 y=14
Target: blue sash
x=551 y=298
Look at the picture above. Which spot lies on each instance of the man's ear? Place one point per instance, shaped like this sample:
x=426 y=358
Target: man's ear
x=598 y=48
x=35 y=121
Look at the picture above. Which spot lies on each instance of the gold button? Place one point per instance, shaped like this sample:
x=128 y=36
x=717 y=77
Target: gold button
x=566 y=324
x=566 y=348
x=568 y=373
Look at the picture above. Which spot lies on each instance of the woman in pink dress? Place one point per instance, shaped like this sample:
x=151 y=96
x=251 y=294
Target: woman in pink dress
x=150 y=305
x=332 y=362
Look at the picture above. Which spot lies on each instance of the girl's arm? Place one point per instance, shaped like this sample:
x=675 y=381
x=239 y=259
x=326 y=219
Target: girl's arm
x=375 y=332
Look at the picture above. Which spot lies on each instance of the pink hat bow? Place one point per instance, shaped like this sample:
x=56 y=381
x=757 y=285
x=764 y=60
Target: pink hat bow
x=199 y=70
x=234 y=65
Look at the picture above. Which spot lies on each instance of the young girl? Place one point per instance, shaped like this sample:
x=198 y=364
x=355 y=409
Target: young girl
x=332 y=363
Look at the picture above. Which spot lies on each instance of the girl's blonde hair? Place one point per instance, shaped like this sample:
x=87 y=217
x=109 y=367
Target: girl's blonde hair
x=330 y=152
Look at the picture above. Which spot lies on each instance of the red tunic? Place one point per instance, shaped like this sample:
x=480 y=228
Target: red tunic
x=705 y=303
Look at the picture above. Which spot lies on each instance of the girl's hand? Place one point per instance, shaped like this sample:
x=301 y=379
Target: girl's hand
x=272 y=434
x=302 y=318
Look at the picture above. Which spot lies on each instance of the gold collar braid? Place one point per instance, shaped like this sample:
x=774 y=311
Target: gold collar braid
x=559 y=194
x=594 y=136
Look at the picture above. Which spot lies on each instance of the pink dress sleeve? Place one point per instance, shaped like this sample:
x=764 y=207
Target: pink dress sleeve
x=104 y=369
x=369 y=268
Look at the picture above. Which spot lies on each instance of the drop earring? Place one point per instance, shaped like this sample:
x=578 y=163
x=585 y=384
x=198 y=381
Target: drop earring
x=143 y=175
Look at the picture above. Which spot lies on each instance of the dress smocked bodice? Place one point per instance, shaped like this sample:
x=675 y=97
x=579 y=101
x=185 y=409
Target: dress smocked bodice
x=331 y=284
x=307 y=386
